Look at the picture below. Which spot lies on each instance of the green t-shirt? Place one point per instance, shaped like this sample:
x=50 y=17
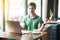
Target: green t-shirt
x=31 y=23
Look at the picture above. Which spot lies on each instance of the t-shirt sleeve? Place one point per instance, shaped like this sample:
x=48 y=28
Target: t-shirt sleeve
x=40 y=20
x=23 y=20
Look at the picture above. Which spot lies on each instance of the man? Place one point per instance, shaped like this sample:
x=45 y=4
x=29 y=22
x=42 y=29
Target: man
x=32 y=21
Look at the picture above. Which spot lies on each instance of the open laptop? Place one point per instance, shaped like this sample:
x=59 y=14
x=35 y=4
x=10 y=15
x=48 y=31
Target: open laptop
x=14 y=27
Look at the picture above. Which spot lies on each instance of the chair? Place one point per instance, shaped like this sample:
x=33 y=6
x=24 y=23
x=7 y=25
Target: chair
x=58 y=32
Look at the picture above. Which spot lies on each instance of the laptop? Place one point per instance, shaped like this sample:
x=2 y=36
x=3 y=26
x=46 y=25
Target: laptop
x=14 y=27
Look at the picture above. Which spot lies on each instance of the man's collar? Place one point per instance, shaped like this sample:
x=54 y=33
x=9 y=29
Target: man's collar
x=32 y=17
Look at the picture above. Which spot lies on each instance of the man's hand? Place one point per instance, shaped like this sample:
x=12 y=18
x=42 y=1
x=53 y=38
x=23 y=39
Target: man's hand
x=22 y=26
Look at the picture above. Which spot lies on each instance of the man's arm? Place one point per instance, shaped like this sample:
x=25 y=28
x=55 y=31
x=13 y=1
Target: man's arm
x=40 y=26
x=22 y=23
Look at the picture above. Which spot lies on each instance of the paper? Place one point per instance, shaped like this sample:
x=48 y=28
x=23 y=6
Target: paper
x=35 y=31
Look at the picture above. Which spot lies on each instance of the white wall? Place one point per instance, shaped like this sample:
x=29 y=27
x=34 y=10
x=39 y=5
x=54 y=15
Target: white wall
x=44 y=9
x=59 y=9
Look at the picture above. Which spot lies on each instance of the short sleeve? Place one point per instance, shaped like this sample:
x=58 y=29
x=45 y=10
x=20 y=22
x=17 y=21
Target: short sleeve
x=40 y=20
x=23 y=20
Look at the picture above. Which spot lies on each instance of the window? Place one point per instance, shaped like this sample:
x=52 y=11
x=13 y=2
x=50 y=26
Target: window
x=1 y=16
x=16 y=9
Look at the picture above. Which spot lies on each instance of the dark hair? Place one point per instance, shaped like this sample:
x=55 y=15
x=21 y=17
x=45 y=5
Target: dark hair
x=32 y=4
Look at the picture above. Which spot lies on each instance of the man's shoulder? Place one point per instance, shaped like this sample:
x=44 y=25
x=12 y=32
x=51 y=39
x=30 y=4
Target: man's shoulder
x=26 y=16
x=38 y=16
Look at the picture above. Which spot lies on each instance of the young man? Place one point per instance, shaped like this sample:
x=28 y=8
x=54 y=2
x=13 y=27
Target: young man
x=32 y=21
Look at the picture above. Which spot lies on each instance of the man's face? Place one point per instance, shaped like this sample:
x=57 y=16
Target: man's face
x=31 y=9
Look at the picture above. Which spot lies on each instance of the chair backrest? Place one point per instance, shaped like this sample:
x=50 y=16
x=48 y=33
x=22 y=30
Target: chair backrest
x=58 y=32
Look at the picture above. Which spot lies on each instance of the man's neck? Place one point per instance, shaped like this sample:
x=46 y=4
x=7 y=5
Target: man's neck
x=32 y=15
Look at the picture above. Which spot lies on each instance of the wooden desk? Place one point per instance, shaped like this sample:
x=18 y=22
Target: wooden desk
x=5 y=36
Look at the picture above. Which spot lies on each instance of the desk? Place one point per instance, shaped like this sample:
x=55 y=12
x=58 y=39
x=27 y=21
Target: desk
x=5 y=36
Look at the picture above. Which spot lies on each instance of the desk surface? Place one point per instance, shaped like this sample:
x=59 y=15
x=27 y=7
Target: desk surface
x=19 y=37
